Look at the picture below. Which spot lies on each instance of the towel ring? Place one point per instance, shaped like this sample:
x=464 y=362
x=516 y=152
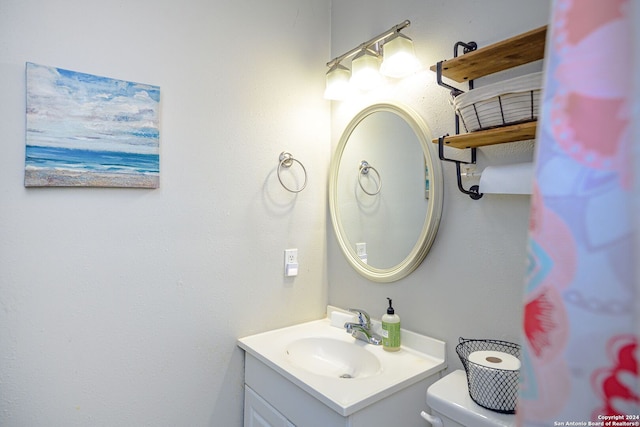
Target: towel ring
x=365 y=167
x=286 y=160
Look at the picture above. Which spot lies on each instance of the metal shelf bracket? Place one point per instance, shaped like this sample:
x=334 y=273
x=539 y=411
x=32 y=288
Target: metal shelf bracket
x=466 y=48
x=474 y=190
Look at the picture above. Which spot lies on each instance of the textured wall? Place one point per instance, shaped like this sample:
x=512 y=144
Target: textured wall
x=122 y=307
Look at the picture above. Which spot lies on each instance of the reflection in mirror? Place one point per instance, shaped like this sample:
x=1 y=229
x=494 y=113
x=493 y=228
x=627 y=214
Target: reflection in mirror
x=388 y=143
x=385 y=230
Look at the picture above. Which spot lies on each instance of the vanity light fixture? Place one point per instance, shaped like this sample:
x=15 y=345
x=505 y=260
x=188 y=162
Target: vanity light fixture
x=398 y=60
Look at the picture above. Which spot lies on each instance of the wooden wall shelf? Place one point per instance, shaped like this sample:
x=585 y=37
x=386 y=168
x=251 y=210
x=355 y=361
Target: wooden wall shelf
x=521 y=49
x=482 y=138
x=518 y=50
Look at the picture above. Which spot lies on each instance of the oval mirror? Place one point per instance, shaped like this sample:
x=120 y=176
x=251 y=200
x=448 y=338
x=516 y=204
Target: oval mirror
x=385 y=192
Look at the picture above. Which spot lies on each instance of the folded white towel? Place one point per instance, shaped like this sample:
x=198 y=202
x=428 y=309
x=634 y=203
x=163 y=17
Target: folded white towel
x=525 y=83
x=501 y=103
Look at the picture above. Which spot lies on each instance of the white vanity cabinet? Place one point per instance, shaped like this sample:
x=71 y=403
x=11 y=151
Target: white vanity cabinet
x=258 y=412
x=272 y=400
x=275 y=401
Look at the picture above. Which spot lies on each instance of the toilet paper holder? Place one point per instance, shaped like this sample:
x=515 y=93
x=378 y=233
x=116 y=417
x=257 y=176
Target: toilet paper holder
x=474 y=190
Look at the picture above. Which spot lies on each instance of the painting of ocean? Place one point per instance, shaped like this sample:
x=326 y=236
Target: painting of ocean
x=84 y=130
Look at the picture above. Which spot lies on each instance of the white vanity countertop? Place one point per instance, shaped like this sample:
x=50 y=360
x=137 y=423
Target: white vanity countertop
x=418 y=358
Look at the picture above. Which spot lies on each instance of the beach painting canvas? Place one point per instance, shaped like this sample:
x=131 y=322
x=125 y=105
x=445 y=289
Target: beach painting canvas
x=84 y=130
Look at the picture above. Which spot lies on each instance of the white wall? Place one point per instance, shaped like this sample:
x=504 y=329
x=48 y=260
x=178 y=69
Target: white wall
x=471 y=283
x=122 y=306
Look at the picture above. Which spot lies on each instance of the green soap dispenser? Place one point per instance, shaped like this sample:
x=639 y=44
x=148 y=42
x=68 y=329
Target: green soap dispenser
x=390 y=329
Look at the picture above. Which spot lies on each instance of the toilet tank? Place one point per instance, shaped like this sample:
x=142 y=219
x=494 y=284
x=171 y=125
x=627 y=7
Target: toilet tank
x=449 y=399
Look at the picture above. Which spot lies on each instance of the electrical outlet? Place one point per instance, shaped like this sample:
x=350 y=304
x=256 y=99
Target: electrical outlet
x=290 y=256
x=361 y=251
x=290 y=262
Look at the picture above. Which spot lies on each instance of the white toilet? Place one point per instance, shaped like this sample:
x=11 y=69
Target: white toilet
x=451 y=406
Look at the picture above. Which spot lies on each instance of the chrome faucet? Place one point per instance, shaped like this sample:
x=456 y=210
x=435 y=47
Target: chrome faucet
x=362 y=329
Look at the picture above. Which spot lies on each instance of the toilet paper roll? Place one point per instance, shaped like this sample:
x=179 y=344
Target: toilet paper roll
x=507 y=179
x=493 y=379
x=495 y=360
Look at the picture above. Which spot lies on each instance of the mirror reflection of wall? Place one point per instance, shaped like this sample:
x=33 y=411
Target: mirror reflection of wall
x=385 y=234
x=390 y=221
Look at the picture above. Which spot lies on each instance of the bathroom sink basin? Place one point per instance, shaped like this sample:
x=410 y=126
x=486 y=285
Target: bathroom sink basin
x=333 y=358
x=343 y=373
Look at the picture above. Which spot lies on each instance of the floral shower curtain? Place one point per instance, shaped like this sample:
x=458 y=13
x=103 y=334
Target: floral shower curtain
x=581 y=316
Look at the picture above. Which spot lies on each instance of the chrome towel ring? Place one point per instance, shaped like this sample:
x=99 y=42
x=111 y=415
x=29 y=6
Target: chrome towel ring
x=365 y=167
x=286 y=161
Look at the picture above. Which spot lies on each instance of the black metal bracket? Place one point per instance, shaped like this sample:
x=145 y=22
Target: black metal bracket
x=467 y=47
x=454 y=90
x=474 y=190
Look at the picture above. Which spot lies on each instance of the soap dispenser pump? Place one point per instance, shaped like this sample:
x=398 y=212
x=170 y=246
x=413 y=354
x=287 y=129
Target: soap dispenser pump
x=390 y=329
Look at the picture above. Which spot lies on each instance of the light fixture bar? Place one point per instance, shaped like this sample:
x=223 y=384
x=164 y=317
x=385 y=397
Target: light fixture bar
x=369 y=43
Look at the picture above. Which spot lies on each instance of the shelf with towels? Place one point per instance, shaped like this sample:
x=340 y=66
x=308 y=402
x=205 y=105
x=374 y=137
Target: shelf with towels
x=479 y=62
x=518 y=50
